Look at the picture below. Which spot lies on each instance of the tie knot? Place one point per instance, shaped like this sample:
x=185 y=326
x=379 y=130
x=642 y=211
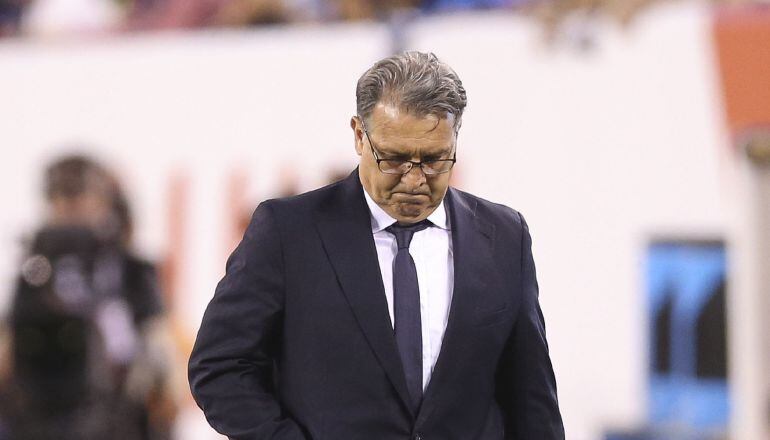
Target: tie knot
x=404 y=233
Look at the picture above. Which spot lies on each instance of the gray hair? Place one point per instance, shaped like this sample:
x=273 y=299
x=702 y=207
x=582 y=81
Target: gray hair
x=416 y=82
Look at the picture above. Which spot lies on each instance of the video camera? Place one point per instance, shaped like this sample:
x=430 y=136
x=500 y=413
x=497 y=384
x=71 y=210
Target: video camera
x=68 y=273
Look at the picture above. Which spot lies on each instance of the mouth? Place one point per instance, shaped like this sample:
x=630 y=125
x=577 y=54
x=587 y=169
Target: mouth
x=413 y=198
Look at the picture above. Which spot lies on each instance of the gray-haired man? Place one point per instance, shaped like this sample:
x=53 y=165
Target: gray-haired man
x=387 y=305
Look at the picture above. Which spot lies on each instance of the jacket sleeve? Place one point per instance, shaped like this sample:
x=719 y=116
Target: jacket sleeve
x=231 y=366
x=526 y=386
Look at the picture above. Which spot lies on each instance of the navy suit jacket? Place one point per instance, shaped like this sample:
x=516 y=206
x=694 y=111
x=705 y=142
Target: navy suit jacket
x=297 y=343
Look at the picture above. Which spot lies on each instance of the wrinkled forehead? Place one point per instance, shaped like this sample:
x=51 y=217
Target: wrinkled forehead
x=387 y=109
x=390 y=117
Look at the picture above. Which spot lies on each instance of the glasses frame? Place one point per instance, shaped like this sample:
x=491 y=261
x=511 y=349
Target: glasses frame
x=411 y=163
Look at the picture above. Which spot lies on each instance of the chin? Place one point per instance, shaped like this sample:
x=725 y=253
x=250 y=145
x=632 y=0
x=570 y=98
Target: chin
x=410 y=211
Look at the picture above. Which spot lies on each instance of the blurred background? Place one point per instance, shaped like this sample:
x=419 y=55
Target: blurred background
x=138 y=136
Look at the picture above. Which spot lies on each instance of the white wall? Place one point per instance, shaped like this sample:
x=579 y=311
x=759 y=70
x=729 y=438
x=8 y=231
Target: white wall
x=201 y=105
x=599 y=150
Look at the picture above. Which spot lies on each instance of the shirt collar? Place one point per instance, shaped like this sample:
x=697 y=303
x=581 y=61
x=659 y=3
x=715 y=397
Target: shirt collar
x=381 y=219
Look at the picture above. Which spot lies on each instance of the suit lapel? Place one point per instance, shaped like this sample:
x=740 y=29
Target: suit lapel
x=472 y=240
x=344 y=225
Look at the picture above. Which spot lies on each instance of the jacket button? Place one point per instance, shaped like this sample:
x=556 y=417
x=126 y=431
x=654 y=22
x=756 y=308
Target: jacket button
x=417 y=437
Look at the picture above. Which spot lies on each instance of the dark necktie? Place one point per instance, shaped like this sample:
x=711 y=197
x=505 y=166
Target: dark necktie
x=406 y=309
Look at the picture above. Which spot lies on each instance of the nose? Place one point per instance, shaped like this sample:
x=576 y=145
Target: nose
x=414 y=179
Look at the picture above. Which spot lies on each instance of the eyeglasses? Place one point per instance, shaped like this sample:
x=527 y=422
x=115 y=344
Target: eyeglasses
x=430 y=167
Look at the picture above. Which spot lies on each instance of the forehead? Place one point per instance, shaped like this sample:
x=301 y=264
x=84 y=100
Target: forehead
x=396 y=130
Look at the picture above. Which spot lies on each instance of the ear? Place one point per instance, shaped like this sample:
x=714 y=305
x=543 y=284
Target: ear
x=358 y=134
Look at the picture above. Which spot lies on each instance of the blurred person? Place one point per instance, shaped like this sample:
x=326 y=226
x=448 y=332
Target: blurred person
x=165 y=14
x=310 y=10
x=253 y=13
x=387 y=305
x=84 y=319
x=378 y=9
x=172 y=14
x=457 y=5
x=348 y=10
x=353 y=10
x=573 y=20
x=47 y=18
x=11 y=13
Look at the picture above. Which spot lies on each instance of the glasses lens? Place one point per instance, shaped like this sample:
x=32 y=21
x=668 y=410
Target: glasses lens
x=395 y=166
x=437 y=166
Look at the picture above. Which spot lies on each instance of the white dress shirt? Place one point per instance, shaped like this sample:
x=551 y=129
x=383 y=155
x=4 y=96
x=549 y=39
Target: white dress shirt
x=431 y=250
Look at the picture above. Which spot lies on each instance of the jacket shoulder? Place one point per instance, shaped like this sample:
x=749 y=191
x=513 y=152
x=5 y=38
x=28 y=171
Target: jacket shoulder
x=302 y=203
x=496 y=213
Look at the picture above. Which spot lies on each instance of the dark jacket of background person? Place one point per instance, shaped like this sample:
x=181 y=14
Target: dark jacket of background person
x=297 y=341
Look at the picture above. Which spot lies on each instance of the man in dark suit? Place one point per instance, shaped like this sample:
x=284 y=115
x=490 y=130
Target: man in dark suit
x=386 y=306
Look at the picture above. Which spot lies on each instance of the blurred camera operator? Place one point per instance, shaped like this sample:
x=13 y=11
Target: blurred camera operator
x=85 y=322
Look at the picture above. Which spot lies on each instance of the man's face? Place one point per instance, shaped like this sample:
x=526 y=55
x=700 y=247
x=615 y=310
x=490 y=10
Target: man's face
x=411 y=197
x=90 y=208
